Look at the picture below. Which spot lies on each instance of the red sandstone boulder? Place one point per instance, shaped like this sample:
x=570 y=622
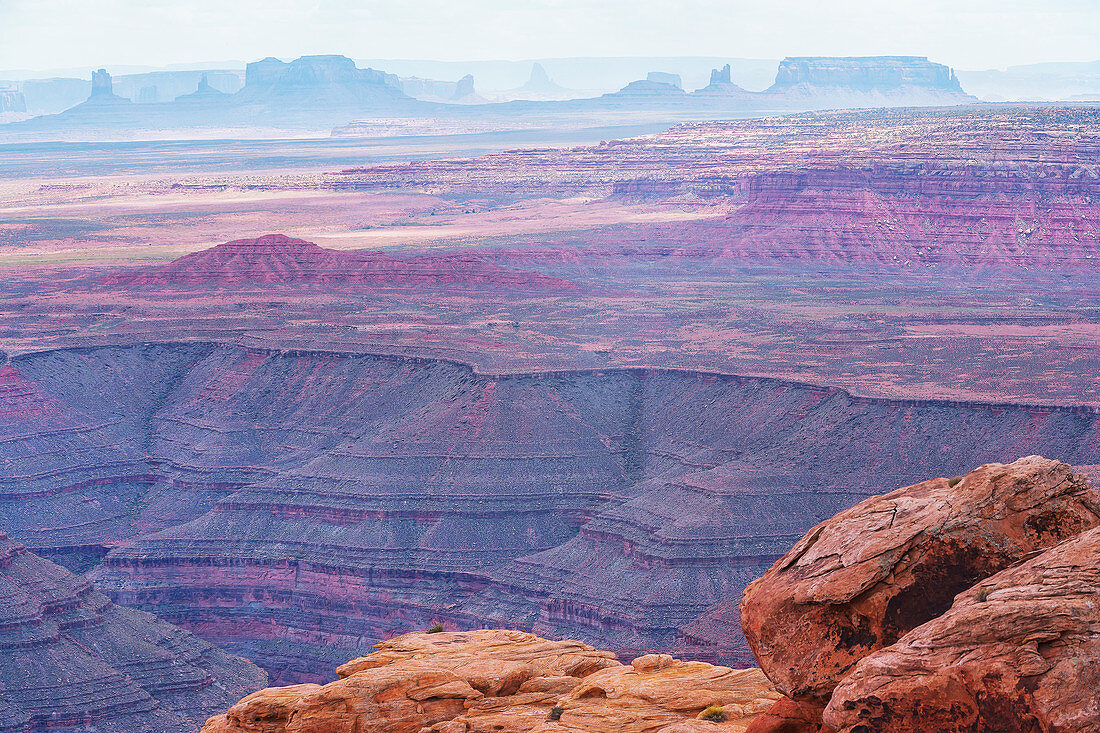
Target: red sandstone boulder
x=1018 y=652
x=859 y=581
x=266 y=711
x=789 y=716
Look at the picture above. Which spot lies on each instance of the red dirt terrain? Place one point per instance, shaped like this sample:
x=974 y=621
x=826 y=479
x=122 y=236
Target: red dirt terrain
x=275 y=259
x=591 y=391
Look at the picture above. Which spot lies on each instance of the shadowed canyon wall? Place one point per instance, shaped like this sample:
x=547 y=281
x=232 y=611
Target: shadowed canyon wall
x=72 y=660
x=295 y=507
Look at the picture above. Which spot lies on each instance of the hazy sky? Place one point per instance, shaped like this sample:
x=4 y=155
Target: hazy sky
x=974 y=34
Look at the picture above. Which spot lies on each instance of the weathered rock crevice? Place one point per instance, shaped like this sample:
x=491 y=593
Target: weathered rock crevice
x=964 y=613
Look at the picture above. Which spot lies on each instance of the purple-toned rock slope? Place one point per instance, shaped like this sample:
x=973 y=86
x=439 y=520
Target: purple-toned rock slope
x=276 y=259
x=297 y=506
x=71 y=660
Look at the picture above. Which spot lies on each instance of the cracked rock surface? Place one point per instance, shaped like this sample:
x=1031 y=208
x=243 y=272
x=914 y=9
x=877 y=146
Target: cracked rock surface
x=858 y=582
x=1019 y=651
x=505 y=682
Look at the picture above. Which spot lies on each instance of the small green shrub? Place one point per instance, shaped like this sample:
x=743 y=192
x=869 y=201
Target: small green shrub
x=555 y=712
x=436 y=629
x=954 y=481
x=714 y=713
x=983 y=595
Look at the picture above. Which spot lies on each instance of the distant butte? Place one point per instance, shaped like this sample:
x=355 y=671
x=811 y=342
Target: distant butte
x=873 y=81
x=330 y=92
x=276 y=259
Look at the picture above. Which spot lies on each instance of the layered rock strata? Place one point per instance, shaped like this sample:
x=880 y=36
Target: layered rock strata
x=72 y=660
x=77 y=455
x=276 y=259
x=988 y=187
x=506 y=682
x=299 y=506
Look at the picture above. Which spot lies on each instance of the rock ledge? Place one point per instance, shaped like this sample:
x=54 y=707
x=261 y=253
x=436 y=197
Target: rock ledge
x=505 y=682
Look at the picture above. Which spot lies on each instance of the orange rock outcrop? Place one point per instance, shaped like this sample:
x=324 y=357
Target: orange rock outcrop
x=965 y=605
x=1020 y=651
x=859 y=581
x=506 y=682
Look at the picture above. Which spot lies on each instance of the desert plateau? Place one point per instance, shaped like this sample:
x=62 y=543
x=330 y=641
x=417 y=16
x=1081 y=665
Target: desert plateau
x=660 y=391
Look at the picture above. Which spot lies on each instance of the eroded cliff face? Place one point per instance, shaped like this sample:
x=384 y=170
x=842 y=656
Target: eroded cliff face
x=70 y=659
x=506 y=682
x=298 y=506
x=963 y=604
x=912 y=212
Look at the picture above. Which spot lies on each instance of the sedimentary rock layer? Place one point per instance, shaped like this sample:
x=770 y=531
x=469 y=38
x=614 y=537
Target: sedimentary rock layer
x=974 y=187
x=71 y=659
x=275 y=259
x=298 y=506
x=506 y=682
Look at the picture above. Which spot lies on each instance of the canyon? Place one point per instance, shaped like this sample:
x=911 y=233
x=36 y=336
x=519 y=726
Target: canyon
x=961 y=604
x=71 y=658
x=311 y=396
x=295 y=506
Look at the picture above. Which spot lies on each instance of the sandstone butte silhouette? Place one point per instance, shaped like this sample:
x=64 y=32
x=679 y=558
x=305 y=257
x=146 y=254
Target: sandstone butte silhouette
x=331 y=91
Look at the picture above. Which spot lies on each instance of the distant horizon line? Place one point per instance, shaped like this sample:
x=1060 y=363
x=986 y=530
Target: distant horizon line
x=16 y=74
